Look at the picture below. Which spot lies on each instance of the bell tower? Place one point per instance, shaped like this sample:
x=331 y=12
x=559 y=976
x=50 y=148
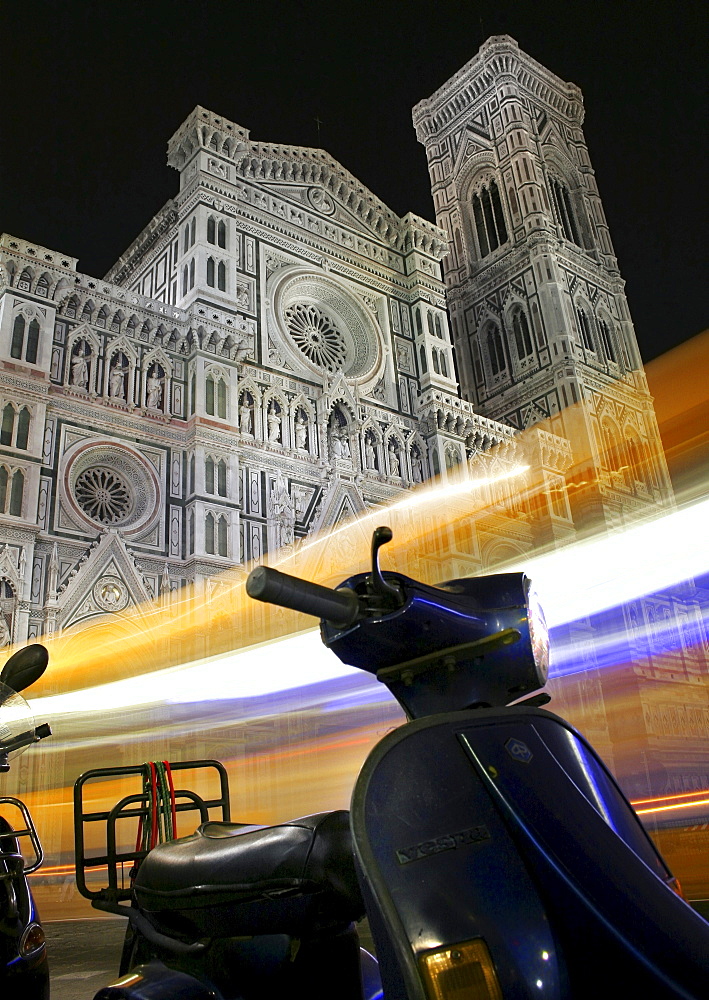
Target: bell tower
x=538 y=310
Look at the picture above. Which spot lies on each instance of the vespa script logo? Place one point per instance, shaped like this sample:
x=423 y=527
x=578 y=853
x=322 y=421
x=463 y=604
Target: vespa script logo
x=448 y=842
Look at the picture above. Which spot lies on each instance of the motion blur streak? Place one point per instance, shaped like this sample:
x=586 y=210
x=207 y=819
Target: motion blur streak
x=209 y=673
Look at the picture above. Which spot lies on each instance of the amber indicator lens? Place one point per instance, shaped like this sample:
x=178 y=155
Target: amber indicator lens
x=460 y=972
x=32 y=940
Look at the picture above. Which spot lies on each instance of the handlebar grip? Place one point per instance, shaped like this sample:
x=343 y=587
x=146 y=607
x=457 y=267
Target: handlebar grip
x=340 y=607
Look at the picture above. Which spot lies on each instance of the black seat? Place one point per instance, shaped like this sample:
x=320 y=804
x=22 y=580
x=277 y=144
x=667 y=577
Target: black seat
x=227 y=880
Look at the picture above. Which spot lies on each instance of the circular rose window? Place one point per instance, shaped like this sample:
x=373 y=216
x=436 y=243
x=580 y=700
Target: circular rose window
x=316 y=335
x=325 y=324
x=104 y=495
x=111 y=485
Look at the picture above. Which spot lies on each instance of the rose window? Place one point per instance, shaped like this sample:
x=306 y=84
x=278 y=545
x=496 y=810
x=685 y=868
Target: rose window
x=103 y=495
x=316 y=336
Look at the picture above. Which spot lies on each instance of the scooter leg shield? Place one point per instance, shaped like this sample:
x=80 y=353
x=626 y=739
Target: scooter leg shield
x=503 y=824
x=439 y=868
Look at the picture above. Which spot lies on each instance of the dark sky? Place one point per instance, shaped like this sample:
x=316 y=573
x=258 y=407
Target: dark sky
x=92 y=91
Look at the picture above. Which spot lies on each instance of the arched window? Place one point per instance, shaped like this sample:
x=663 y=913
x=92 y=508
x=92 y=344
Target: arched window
x=211 y=230
x=221 y=276
x=209 y=534
x=520 y=328
x=222 y=545
x=192 y=471
x=209 y=475
x=422 y=356
x=43 y=286
x=221 y=477
x=209 y=395
x=16 y=492
x=18 y=337
x=495 y=350
x=606 y=340
x=186 y=239
x=221 y=399
x=3 y=487
x=489 y=219
x=444 y=366
x=32 y=342
x=585 y=330
x=25 y=280
x=192 y=273
x=564 y=212
x=210 y=272
x=221 y=235
x=193 y=231
x=102 y=316
x=429 y=317
x=190 y=531
x=434 y=359
x=438 y=325
x=417 y=319
x=8 y=425
x=23 y=428
x=193 y=392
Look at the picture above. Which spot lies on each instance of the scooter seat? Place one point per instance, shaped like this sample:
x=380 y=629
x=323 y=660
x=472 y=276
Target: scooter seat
x=226 y=880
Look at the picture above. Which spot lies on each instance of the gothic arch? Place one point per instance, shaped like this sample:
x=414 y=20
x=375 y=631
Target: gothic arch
x=372 y=446
x=83 y=376
x=156 y=388
x=250 y=398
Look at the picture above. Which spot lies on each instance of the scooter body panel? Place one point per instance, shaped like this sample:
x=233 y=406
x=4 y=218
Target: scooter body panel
x=24 y=973
x=504 y=824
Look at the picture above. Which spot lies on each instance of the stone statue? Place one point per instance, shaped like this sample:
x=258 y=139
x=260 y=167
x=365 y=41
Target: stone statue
x=245 y=416
x=394 y=468
x=370 y=457
x=154 y=391
x=416 y=467
x=335 y=443
x=345 y=443
x=5 y=637
x=301 y=431
x=80 y=371
x=116 y=379
x=282 y=511
x=274 y=423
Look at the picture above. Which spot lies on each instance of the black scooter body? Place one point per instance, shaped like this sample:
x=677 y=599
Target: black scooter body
x=504 y=824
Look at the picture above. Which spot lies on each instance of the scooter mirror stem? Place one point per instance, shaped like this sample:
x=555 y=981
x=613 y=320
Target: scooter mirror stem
x=379 y=585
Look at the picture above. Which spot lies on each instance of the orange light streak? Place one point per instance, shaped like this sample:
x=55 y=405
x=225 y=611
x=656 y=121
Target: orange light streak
x=667 y=798
x=679 y=805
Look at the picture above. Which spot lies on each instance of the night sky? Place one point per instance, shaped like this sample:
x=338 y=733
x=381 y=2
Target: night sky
x=92 y=91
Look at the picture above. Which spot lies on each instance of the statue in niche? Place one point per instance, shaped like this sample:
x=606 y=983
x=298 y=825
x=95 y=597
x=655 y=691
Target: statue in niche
x=370 y=456
x=116 y=378
x=394 y=467
x=80 y=366
x=301 y=431
x=245 y=415
x=274 y=423
x=282 y=511
x=338 y=437
x=416 y=466
x=153 y=388
x=5 y=637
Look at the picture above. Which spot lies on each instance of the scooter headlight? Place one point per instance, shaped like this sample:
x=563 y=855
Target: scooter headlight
x=32 y=940
x=538 y=634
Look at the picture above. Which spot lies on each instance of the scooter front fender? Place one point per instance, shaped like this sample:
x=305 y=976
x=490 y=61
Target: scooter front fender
x=155 y=981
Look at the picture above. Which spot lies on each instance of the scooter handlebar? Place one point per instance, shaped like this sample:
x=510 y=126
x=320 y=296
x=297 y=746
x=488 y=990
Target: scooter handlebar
x=340 y=607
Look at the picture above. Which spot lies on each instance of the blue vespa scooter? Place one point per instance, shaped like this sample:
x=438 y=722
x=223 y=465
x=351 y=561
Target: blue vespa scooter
x=24 y=971
x=496 y=856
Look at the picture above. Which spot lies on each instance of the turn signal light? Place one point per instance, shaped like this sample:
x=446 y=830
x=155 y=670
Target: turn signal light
x=460 y=972
x=32 y=940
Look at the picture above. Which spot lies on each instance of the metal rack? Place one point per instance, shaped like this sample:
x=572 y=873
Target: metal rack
x=132 y=807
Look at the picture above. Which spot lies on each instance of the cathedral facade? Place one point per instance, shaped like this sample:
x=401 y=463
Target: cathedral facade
x=277 y=351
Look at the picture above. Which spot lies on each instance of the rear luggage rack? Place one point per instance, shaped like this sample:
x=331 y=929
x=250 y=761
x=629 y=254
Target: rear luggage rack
x=135 y=807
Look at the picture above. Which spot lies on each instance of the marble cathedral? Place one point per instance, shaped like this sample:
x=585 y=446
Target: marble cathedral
x=277 y=350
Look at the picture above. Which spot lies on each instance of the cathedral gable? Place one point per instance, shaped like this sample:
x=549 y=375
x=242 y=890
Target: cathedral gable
x=106 y=581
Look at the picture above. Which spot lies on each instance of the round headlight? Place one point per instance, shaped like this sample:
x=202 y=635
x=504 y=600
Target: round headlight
x=538 y=635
